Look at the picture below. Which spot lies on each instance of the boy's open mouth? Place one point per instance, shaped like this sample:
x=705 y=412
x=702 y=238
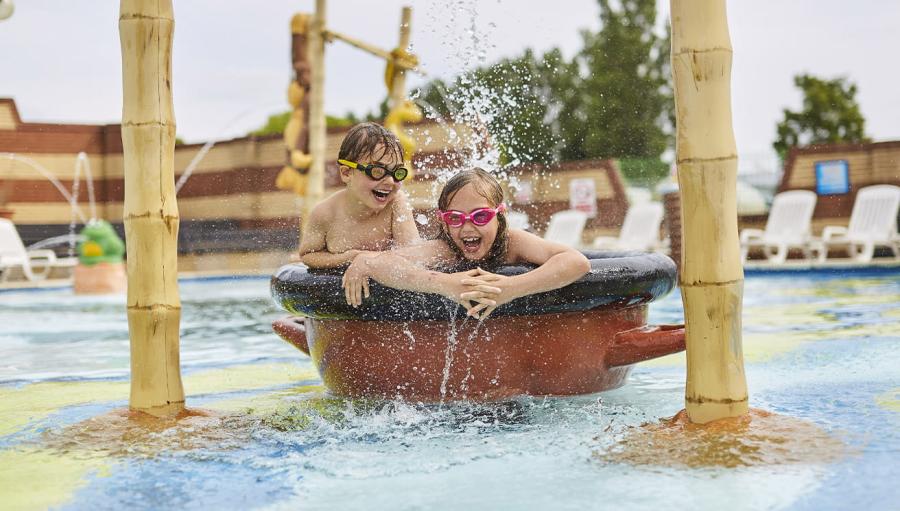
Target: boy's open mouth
x=471 y=244
x=381 y=195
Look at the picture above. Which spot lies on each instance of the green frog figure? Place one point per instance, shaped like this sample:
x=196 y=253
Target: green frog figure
x=100 y=244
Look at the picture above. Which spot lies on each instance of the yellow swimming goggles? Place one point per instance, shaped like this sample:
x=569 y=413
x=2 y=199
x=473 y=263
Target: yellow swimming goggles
x=377 y=171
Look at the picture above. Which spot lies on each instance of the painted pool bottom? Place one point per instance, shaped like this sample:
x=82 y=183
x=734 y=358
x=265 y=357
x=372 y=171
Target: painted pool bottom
x=822 y=349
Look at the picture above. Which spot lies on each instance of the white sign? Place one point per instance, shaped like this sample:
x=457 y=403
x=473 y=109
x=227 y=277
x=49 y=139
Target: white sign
x=522 y=193
x=583 y=196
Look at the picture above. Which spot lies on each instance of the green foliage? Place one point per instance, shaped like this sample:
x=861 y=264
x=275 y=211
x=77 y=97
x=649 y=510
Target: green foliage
x=515 y=100
x=276 y=123
x=623 y=91
x=830 y=115
x=612 y=100
x=644 y=172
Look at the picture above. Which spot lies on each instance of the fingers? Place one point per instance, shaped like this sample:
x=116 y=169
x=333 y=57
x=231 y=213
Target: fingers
x=347 y=292
x=471 y=273
x=487 y=312
x=355 y=289
x=478 y=295
x=476 y=309
x=473 y=282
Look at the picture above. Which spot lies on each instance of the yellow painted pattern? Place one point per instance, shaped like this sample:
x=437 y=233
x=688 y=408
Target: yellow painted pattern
x=889 y=400
x=32 y=477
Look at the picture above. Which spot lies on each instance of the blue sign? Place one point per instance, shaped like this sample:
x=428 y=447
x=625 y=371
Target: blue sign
x=832 y=177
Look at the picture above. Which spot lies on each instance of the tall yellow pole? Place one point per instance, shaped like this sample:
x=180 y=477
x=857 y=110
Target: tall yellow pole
x=712 y=278
x=150 y=211
x=398 y=87
x=315 y=187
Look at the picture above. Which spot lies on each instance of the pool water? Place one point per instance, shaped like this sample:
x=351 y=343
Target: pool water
x=820 y=347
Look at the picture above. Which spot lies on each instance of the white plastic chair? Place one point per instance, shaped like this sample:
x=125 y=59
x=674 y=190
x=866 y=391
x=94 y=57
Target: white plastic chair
x=640 y=229
x=14 y=255
x=873 y=223
x=788 y=227
x=566 y=227
x=517 y=220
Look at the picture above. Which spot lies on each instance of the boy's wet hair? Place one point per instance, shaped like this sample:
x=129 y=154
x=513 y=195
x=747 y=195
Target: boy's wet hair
x=363 y=140
x=488 y=187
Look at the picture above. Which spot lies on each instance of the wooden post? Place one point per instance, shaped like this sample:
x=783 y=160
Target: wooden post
x=150 y=211
x=712 y=278
x=315 y=187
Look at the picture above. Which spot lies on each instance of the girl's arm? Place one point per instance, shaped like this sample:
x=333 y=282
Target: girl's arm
x=405 y=269
x=558 y=266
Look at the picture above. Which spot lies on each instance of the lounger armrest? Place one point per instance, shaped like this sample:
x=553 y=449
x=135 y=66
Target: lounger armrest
x=833 y=231
x=605 y=242
x=46 y=254
x=749 y=234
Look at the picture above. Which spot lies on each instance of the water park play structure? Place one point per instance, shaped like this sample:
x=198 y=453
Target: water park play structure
x=711 y=279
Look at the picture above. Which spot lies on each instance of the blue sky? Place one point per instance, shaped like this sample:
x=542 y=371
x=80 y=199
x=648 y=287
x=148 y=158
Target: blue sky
x=61 y=60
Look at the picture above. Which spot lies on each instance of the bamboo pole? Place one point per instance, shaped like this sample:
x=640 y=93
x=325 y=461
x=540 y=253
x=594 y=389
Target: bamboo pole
x=712 y=278
x=315 y=187
x=150 y=211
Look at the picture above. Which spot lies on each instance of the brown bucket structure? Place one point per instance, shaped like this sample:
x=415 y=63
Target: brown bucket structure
x=580 y=339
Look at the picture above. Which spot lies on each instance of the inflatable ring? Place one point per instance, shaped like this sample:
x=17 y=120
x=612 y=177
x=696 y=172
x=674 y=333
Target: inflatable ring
x=616 y=279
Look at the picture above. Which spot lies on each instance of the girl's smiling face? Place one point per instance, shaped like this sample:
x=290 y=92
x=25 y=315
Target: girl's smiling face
x=473 y=241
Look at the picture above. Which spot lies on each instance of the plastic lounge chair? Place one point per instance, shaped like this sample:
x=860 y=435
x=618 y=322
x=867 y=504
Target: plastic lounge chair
x=640 y=230
x=13 y=254
x=873 y=223
x=566 y=227
x=517 y=220
x=788 y=227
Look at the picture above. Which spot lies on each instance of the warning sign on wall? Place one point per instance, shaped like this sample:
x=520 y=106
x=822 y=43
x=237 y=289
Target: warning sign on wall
x=583 y=196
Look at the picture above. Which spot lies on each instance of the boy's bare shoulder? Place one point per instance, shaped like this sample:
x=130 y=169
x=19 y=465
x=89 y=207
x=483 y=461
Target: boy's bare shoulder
x=324 y=211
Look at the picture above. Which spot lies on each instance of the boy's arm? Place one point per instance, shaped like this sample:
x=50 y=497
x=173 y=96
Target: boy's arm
x=313 y=250
x=403 y=224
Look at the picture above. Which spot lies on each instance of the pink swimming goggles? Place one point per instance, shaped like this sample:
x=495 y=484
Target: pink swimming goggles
x=479 y=217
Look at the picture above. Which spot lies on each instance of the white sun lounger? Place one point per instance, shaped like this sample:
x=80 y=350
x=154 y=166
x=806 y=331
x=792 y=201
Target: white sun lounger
x=566 y=227
x=873 y=223
x=640 y=229
x=34 y=264
x=517 y=220
x=788 y=227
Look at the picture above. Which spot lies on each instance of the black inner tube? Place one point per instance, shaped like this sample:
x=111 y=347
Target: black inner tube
x=616 y=279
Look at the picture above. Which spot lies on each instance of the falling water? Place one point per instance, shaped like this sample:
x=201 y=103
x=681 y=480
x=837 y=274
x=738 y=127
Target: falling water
x=195 y=161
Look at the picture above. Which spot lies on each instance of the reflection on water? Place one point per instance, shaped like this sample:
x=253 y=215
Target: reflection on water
x=823 y=349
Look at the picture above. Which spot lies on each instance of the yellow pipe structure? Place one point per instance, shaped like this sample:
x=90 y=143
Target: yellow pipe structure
x=712 y=278
x=150 y=211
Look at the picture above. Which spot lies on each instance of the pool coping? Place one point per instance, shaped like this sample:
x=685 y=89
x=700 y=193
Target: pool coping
x=790 y=267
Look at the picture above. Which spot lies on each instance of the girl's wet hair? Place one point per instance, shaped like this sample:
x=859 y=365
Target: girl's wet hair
x=363 y=140
x=488 y=187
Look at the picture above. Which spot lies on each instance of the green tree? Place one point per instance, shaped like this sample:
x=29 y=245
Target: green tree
x=276 y=123
x=830 y=114
x=626 y=93
x=516 y=99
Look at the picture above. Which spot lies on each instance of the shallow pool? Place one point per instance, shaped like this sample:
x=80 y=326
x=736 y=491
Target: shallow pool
x=821 y=347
